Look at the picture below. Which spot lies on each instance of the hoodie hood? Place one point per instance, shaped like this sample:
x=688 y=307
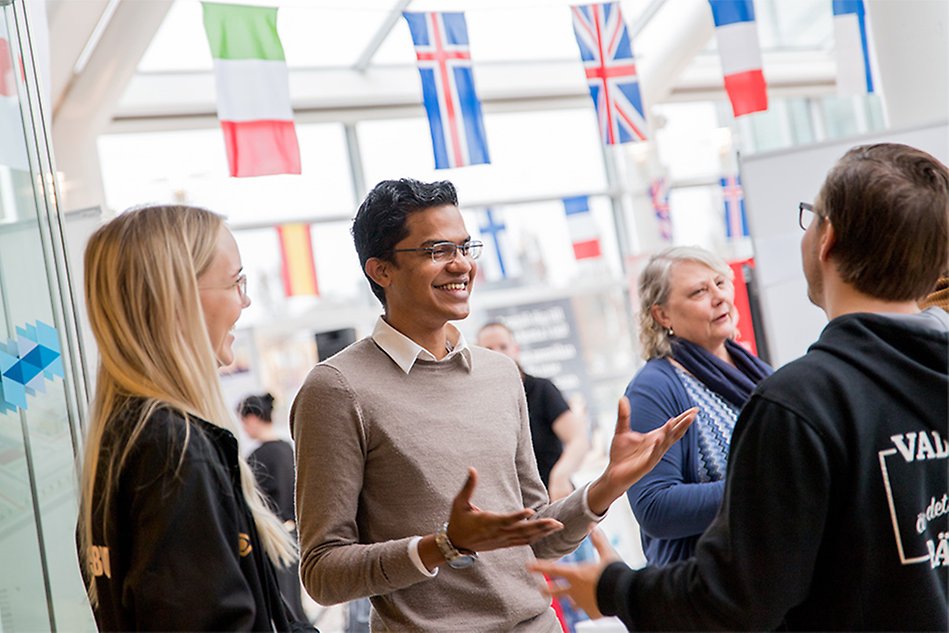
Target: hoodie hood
x=904 y=355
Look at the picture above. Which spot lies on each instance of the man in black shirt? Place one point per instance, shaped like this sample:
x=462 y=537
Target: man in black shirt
x=558 y=435
x=272 y=463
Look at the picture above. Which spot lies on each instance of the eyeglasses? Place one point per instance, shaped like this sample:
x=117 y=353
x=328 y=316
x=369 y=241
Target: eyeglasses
x=240 y=283
x=806 y=215
x=445 y=251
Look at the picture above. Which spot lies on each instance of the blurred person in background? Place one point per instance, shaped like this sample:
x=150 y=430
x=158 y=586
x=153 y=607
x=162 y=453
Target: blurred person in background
x=559 y=438
x=173 y=532
x=558 y=435
x=272 y=463
x=686 y=326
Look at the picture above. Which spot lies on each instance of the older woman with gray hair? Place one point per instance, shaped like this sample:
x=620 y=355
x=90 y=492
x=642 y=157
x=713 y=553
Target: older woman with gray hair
x=687 y=326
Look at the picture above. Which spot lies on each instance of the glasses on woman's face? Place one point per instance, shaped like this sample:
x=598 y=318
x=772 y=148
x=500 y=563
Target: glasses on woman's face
x=443 y=252
x=240 y=283
x=805 y=215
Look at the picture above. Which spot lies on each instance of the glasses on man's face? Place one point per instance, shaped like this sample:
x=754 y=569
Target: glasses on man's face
x=805 y=215
x=442 y=252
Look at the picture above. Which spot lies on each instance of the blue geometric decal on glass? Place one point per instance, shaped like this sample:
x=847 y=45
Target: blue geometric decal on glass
x=25 y=362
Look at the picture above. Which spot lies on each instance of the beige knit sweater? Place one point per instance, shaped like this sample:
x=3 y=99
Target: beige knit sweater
x=380 y=456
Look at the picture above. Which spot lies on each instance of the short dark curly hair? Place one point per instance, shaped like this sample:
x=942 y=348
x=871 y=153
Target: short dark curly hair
x=380 y=221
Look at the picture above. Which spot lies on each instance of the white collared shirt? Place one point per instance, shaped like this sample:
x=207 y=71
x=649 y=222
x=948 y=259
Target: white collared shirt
x=404 y=351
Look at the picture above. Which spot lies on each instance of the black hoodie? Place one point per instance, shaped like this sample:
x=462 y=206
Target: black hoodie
x=835 y=514
x=180 y=551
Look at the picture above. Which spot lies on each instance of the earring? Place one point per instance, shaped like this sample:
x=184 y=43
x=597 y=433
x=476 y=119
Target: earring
x=670 y=332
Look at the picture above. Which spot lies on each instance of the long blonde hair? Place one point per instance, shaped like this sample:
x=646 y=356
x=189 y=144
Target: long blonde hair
x=654 y=289
x=141 y=291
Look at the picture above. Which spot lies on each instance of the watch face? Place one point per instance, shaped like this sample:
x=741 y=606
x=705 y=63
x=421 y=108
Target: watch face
x=465 y=560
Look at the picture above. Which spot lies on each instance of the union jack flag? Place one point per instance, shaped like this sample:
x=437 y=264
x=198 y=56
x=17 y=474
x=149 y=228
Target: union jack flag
x=736 y=222
x=659 y=195
x=611 y=73
x=448 y=90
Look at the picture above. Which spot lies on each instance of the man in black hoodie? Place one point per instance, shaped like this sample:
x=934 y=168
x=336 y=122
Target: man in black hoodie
x=835 y=514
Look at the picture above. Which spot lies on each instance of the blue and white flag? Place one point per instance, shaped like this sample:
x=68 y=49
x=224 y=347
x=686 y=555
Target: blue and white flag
x=607 y=55
x=500 y=260
x=854 y=70
x=736 y=222
x=448 y=90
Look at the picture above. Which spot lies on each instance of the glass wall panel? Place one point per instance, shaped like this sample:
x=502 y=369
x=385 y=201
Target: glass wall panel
x=40 y=387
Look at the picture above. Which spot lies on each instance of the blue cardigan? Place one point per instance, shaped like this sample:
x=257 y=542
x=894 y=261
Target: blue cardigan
x=671 y=506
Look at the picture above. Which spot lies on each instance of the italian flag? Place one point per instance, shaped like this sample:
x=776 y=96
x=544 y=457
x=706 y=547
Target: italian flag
x=253 y=90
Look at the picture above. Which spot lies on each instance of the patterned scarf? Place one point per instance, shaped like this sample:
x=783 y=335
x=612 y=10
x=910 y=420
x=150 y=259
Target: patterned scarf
x=734 y=385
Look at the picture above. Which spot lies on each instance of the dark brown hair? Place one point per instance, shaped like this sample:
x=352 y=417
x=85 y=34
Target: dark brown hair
x=889 y=206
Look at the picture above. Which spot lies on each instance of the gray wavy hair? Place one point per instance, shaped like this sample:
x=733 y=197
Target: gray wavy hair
x=654 y=289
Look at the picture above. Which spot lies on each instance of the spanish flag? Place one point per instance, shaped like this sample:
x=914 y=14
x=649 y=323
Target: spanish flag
x=296 y=250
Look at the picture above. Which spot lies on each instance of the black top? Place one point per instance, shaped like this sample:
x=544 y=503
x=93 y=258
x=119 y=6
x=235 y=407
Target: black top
x=273 y=466
x=180 y=551
x=834 y=511
x=545 y=404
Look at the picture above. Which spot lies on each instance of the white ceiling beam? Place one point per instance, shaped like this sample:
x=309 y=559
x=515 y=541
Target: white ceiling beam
x=71 y=25
x=92 y=96
x=365 y=58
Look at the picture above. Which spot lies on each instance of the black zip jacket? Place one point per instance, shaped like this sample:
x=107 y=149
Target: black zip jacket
x=835 y=508
x=180 y=551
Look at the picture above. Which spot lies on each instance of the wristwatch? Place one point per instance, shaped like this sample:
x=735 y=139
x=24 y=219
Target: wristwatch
x=456 y=559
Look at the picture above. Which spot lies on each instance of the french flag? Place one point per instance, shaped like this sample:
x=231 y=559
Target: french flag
x=582 y=227
x=854 y=74
x=737 y=35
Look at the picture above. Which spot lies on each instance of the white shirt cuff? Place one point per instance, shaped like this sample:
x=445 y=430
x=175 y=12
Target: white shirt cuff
x=417 y=560
x=586 y=507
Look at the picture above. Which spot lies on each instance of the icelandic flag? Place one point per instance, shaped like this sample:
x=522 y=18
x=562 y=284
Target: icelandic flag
x=736 y=222
x=659 y=194
x=737 y=36
x=494 y=234
x=854 y=74
x=582 y=227
x=607 y=56
x=448 y=90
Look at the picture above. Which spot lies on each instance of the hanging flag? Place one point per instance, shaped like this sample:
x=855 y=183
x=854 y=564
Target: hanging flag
x=491 y=232
x=582 y=227
x=607 y=56
x=12 y=135
x=737 y=36
x=448 y=90
x=298 y=268
x=854 y=75
x=253 y=90
x=736 y=223
x=659 y=195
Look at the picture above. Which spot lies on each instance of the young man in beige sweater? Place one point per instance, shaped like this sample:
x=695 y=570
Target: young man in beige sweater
x=416 y=480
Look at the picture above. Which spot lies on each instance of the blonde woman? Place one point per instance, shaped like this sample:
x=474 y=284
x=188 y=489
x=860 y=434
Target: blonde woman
x=173 y=532
x=686 y=327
